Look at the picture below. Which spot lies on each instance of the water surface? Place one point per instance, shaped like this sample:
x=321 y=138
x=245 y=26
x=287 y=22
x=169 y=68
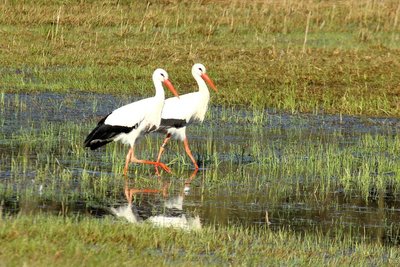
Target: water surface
x=44 y=169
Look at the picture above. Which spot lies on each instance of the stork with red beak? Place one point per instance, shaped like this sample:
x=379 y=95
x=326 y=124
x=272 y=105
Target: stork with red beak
x=189 y=108
x=132 y=121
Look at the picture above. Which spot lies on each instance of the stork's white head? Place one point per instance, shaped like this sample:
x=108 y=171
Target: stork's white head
x=198 y=70
x=160 y=75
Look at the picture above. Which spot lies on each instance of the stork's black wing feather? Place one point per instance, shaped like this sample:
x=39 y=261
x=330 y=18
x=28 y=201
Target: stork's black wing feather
x=104 y=134
x=170 y=123
x=175 y=123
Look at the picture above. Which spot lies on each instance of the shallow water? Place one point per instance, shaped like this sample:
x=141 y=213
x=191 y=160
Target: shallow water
x=232 y=187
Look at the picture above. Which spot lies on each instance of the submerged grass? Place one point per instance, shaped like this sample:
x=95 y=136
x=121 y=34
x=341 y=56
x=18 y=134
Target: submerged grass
x=274 y=163
x=288 y=160
x=311 y=56
x=49 y=240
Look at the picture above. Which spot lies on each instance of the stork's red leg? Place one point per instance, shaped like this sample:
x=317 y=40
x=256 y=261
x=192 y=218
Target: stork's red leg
x=157 y=164
x=191 y=177
x=162 y=148
x=130 y=157
x=142 y=161
x=187 y=149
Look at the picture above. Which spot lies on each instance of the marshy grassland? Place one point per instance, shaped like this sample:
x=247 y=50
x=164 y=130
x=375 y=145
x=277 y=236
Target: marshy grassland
x=332 y=194
x=296 y=56
x=304 y=130
x=44 y=240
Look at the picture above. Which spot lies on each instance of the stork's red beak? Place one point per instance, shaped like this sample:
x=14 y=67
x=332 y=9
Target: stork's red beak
x=171 y=88
x=208 y=80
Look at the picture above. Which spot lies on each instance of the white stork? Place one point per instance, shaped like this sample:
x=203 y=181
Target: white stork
x=129 y=122
x=189 y=108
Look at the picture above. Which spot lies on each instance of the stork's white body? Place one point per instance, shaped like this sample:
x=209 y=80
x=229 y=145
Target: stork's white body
x=145 y=113
x=129 y=122
x=189 y=108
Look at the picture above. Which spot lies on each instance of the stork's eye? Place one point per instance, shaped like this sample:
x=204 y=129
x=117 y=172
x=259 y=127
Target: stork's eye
x=200 y=70
x=162 y=74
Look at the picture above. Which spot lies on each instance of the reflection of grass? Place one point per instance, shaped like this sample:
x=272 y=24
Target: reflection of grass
x=46 y=240
x=257 y=52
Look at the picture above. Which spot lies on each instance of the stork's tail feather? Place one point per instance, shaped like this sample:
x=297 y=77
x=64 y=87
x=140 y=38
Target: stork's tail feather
x=104 y=134
x=94 y=144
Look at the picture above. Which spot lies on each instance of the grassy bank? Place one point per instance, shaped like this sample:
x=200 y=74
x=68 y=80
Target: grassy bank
x=311 y=56
x=44 y=240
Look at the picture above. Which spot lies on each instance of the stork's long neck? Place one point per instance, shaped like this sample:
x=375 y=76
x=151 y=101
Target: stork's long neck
x=160 y=94
x=203 y=89
x=154 y=112
x=203 y=100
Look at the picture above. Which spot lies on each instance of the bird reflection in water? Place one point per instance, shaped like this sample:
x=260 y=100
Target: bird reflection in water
x=172 y=214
